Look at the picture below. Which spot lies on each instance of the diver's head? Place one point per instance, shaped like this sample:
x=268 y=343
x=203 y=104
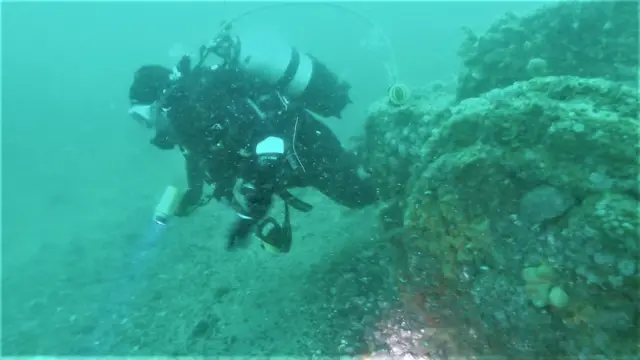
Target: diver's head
x=149 y=84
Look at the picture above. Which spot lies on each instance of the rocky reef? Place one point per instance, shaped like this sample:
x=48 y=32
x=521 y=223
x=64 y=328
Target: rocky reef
x=393 y=135
x=582 y=38
x=513 y=204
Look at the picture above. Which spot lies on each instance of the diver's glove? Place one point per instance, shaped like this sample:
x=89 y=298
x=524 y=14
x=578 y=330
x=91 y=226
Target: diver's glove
x=240 y=232
x=258 y=202
x=162 y=142
x=189 y=202
x=224 y=190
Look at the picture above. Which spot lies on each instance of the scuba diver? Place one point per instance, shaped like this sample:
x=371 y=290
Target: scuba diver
x=245 y=127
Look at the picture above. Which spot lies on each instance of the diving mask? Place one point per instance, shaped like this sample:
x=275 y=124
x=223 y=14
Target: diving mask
x=144 y=114
x=151 y=115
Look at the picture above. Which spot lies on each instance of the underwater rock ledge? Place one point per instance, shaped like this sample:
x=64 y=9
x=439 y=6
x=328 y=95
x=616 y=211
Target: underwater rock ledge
x=520 y=213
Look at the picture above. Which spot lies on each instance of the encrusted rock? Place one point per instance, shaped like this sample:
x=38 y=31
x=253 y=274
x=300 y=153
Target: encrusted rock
x=395 y=136
x=581 y=38
x=542 y=173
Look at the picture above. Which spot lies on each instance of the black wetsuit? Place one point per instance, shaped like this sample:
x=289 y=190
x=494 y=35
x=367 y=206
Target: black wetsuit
x=219 y=120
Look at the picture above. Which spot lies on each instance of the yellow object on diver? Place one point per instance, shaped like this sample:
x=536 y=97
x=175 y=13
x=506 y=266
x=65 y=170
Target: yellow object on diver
x=399 y=94
x=270 y=248
x=167 y=205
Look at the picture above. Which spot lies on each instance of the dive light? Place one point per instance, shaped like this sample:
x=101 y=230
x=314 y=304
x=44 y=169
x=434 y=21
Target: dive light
x=167 y=205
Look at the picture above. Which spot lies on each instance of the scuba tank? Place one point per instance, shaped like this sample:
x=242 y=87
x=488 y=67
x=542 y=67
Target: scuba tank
x=299 y=76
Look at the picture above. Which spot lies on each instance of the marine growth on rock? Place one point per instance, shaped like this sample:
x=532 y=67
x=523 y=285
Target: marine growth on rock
x=516 y=173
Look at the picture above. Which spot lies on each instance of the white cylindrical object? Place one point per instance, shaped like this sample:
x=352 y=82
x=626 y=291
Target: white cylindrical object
x=167 y=205
x=264 y=56
x=302 y=78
